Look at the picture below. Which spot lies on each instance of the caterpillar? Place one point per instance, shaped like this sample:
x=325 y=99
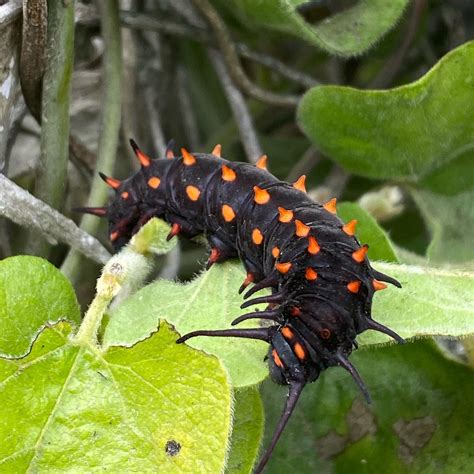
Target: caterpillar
x=321 y=281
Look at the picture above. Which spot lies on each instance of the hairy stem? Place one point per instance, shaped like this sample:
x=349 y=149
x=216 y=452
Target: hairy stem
x=111 y=118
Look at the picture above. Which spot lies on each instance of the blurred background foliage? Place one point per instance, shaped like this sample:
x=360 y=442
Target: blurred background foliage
x=312 y=84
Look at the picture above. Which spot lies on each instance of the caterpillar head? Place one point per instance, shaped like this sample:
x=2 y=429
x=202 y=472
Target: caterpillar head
x=137 y=199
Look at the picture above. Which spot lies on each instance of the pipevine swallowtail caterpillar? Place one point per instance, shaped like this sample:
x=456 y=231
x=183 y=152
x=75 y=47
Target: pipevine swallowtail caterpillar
x=321 y=281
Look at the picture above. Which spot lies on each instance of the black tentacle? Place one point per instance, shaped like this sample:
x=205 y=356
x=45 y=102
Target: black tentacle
x=261 y=334
x=294 y=393
x=270 y=315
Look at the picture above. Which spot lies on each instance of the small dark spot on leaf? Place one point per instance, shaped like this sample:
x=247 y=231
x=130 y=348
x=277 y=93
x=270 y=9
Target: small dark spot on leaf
x=172 y=447
x=102 y=375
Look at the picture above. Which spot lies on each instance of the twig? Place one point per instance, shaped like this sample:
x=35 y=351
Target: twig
x=9 y=12
x=308 y=161
x=242 y=116
x=150 y=70
x=336 y=180
x=110 y=122
x=52 y=169
x=186 y=108
x=276 y=65
x=144 y=22
x=230 y=57
x=24 y=209
x=9 y=90
x=33 y=50
x=390 y=69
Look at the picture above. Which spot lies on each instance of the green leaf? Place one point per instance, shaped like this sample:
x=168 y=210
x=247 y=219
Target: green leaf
x=431 y=302
x=420 y=420
x=70 y=408
x=451 y=221
x=151 y=238
x=211 y=301
x=406 y=133
x=247 y=431
x=347 y=33
x=368 y=232
x=32 y=293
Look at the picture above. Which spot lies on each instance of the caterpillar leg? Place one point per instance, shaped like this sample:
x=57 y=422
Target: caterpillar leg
x=262 y=334
x=220 y=252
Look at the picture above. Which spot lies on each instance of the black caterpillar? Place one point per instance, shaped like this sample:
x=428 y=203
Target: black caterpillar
x=321 y=281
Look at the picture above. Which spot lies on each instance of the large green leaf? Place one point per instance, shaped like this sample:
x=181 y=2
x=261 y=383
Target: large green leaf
x=406 y=133
x=420 y=420
x=451 y=221
x=33 y=293
x=431 y=302
x=247 y=431
x=155 y=407
x=347 y=33
x=211 y=301
x=368 y=232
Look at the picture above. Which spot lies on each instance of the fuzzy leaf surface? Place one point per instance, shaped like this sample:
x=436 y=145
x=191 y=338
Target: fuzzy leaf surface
x=75 y=408
x=420 y=419
x=247 y=431
x=211 y=301
x=347 y=33
x=431 y=302
x=406 y=133
x=32 y=293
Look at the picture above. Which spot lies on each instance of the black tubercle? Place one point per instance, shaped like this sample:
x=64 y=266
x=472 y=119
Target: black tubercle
x=320 y=281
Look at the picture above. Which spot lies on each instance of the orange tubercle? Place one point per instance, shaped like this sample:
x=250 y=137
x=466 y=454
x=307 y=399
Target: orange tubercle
x=299 y=184
x=262 y=196
x=330 y=206
x=188 y=159
x=302 y=230
x=257 y=237
x=154 y=182
x=275 y=252
x=144 y=159
x=125 y=195
x=228 y=174
x=262 y=162
x=350 y=227
x=113 y=236
x=287 y=332
x=228 y=213
x=295 y=311
x=311 y=274
x=216 y=151
x=285 y=215
x=214 y=256
x=378 y=285
x=354 y=286
x=313 y=246
x=360 y=253
x=283 y=267
x=193 y=193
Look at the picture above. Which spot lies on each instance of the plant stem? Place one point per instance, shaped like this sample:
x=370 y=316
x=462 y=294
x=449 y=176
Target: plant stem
x=111 y=117
x=87 y=333
x=51 y=178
